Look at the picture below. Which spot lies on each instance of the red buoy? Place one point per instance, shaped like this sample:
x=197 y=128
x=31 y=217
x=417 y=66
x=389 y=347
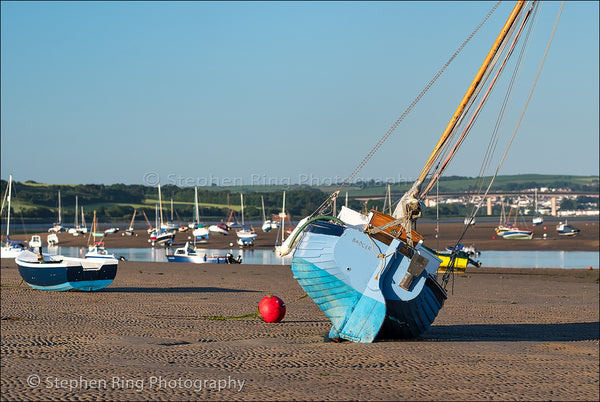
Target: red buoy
x=271 y=309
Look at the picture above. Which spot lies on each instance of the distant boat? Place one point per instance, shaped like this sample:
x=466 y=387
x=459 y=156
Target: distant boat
x=111 y=231
x=77 y=229
x=267 y=223
x=537 y=219
x=159 y=235
x=12 y=248
x=201 y=232
x=220 y=227
x=59 y=273
x=245 y=241
x=516 y=233
x=96 y=248
x=130 y=231
x=504 y=225
x=470 y=250
x=98 y=251
x=170 y=226
x=35 y=243
x=235 y=223
x=192 y=254
x=564 y=229
x=470 y=220
x=58 y=227
x=246 y=235
x=281 y=229
x=513 y=232
x=52 y=239
x=461 y=260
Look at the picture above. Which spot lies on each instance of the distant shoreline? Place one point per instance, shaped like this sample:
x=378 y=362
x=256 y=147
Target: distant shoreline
x=481 y=235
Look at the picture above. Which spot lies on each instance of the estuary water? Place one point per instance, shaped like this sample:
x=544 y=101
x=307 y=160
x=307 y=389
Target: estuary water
x=500 y=259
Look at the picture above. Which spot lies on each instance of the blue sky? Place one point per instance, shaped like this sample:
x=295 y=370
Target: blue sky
x=194 y=93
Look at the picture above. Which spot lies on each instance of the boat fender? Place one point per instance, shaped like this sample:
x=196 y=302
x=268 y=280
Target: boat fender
x=121 y=258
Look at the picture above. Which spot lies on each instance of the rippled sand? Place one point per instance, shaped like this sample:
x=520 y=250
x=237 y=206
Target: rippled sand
x=152 y=335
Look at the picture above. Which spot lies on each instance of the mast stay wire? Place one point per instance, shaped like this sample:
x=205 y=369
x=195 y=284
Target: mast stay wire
x=450 y=269
x=448 y=150
x=404 y=114
x=493 y=143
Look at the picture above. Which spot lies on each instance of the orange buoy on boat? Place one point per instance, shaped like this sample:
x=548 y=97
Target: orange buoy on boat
x=271 y=309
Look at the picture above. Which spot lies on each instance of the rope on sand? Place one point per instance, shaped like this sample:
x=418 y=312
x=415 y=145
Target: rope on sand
x=256 y=314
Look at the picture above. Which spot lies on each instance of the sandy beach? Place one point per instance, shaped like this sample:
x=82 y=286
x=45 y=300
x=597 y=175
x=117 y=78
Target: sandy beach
x=481 y=235
x=177 y=332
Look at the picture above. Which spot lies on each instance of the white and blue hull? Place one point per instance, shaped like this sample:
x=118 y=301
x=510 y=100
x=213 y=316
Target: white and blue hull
x=367 y=289
x=517 y=234
x=58 y=273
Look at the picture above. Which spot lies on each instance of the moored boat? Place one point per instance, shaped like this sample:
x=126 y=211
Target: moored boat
x=194 y=255
x=564 y=229
x=11 y=248
x=459 y=260
x=517 y=233
x=513 y=232
x=220 y=227
x=537 y=219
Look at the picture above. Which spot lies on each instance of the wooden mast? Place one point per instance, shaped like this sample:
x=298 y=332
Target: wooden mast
x=401 y=224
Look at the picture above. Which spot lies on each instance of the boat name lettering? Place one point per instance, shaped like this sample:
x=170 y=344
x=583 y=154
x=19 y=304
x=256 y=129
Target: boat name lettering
x=360 y=243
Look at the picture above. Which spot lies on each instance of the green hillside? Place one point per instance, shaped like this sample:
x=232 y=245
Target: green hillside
x=116 y=202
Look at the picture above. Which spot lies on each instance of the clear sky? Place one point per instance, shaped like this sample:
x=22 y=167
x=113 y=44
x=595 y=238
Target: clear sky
x=194 y=93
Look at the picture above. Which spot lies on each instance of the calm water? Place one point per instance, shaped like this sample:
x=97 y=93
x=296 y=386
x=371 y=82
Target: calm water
x=501 y=259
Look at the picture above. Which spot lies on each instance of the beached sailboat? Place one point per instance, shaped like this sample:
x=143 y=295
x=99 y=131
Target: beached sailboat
x=11 y=248
x=232 y=215
x=58 y=227
x=504 y=224
x=201 y=232
x=371 y=274
x=160 y=235
x=77 y=229
x=130 y=231
x=515 y=232
x=245 y=236
x=267 y=223
x=220 y=228
x=96 y=248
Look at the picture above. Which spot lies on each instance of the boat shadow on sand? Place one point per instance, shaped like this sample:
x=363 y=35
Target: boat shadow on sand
x=179 y=289
x=563 y=332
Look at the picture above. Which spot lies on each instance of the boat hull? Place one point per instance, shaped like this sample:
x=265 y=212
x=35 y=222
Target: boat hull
x=68 y=274
x=208 y=259
x=364 y=294
x=518 y=234
x=10 y=252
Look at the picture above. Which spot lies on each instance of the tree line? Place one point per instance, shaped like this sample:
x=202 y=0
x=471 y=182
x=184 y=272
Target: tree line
x=117 y=202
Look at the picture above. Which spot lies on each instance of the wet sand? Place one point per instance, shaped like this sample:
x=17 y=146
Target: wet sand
x=481 y=235
x=503 y=334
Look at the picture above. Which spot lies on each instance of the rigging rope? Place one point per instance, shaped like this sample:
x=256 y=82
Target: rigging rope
x=475 y=114
x=490 y=151
x=415 y=101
